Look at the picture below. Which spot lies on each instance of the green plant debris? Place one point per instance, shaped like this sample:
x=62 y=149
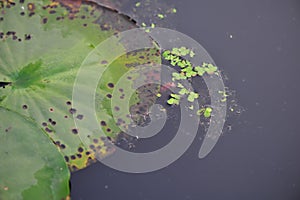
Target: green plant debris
x=138 y=4
x=161 y=16
x=179 y=85
x=224 y=96
x=192 y=54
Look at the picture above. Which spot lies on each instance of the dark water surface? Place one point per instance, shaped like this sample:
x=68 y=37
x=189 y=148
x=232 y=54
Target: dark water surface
x=256 y=43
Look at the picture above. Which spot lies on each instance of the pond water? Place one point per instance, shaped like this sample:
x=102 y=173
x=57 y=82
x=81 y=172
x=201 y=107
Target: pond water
x=256 y=44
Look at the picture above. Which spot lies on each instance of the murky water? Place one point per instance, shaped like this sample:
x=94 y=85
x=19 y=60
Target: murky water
x=256 y=44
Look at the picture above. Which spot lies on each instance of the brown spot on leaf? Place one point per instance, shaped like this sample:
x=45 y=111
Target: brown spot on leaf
x=80 y=149
x=31 y=14
x=45 y=20
x=66 y=158
x=104 y=62
x=48 y=130
x=72 y=111
x=103 y=123
x=74 y=131
x=52 y=11
x=110 y=85
x=80 y=117
x=31 y=7
x=73 y=157
x=27 y=37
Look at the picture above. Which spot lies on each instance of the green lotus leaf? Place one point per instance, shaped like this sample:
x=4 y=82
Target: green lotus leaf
x=42 y=45
x=31 y=167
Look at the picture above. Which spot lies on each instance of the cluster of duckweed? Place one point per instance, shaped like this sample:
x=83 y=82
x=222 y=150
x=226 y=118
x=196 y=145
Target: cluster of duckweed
x=187 y=72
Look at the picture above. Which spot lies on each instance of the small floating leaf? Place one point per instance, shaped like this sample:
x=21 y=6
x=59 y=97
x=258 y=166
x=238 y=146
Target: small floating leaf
x=192 y=96
x=175 y=96
x=192 y=54
x=138 y=4
x=179 y=85
x=173 y=101
x=183 y=91
x=165 y=54
x=161 y=16
x=211 y=69
x=177 y=76
x=207 y=112
x=200 y=70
